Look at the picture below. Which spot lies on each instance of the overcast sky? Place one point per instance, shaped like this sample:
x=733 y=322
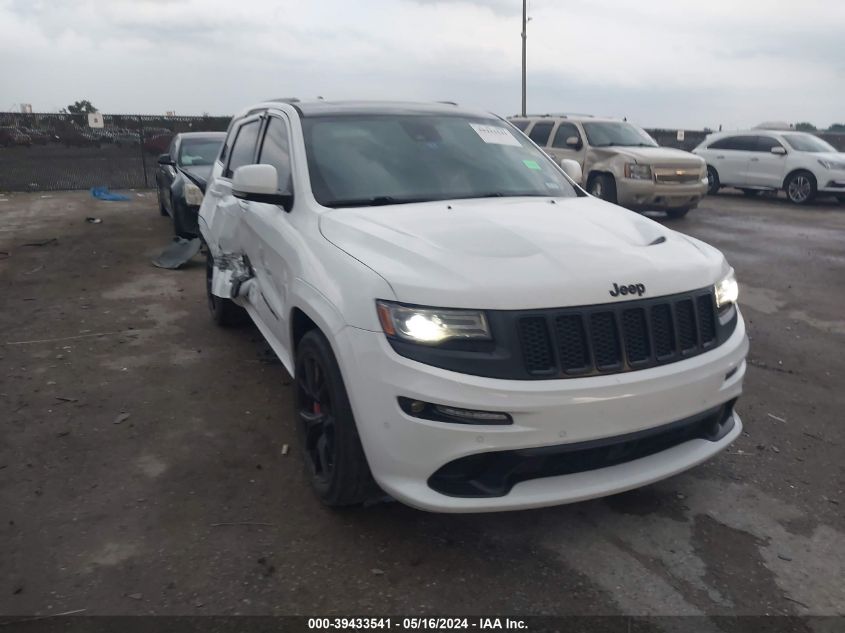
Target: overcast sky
x=661 y=63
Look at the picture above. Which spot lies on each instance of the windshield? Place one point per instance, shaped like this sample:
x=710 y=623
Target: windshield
x=617 y=133
x=199 y=151
x=808 y=143
x=366 y=160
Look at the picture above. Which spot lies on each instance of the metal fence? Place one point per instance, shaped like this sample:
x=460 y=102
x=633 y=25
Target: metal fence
x=41 y=152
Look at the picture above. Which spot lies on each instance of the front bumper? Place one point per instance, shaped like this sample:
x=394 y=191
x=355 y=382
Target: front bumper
x=646 y=194
x=404 y=452
x=832 y=182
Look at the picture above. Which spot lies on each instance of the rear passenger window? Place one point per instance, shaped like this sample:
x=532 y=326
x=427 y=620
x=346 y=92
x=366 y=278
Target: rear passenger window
x=275 y=151
x=564 y=131
x=244 y=148
x=744 y=143
x=540 y=132
x=520 y=124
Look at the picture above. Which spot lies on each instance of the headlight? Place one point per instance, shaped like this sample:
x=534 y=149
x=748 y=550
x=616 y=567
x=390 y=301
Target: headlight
x=727 y=290
x=193 y=194
x=637 y=172
x=431 y=325
x=831 y=164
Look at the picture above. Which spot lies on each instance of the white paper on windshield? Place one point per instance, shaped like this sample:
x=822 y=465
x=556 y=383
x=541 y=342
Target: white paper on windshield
x=494 y=134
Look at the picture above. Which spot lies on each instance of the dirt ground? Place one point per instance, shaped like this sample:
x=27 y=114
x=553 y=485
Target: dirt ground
x=142 y=467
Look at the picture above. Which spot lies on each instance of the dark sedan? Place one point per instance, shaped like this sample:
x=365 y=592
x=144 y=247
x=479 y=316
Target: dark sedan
x=182 y=175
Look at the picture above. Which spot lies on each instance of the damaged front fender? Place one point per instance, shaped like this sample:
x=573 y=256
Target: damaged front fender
x=230 y=275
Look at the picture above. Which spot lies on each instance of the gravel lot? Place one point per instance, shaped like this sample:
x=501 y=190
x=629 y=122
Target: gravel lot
x=189 y=506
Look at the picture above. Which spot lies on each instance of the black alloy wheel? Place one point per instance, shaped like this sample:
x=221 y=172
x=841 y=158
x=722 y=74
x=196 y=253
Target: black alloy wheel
x=328 y=435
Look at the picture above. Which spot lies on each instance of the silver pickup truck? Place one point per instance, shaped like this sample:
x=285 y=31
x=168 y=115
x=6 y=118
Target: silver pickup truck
x=620 y=162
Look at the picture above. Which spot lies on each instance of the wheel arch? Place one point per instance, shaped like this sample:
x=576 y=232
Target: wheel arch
x=798 y=170
x=312 y=310
x=300 y=325
x=598 y=172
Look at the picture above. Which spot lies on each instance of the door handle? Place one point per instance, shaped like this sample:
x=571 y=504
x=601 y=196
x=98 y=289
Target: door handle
x=754 y=160
x=720 y=157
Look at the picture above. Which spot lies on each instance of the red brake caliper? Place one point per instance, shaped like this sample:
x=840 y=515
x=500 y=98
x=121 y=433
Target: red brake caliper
x=317 y=409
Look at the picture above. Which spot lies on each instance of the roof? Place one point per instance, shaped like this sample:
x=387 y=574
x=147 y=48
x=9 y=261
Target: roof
x=567 y=116
x=320 y=108
x=757 y=131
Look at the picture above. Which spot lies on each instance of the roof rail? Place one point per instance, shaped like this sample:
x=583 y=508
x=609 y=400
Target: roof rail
x=562 y=115
x=548 y=114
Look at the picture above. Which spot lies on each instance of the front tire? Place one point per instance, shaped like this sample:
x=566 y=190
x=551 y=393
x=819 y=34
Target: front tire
x=800 y=187
x=331 y=448
x=161 y=208
x=713 y=183
x=224 y=312
x=678 y=213
x=603 y=186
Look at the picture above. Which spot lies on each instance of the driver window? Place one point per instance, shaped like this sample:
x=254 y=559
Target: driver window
x=564 y=131
x=244 y=148
x=275 y=151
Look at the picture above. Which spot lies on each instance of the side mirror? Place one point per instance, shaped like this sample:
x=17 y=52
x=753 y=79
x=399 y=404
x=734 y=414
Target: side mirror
x=574 y=141
x=572 y=169
x=779 y=150
x=165 y=159
x=259 y=183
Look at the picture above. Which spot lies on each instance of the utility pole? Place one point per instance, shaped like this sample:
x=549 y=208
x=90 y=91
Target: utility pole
x=524 y=37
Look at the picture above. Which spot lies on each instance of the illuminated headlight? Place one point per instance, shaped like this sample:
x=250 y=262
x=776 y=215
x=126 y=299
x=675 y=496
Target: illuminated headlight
x=637 y=172
x=431 y=325
x=831 y=164
x=727 y=290
x=193 y=194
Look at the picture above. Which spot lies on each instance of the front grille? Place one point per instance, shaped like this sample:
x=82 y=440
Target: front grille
x=594 y=340
x=676 y=176
x=635 y=332
x=536 y=345
x=614 y=338
x=605 y=340
x=663 y=330
x=572 y=343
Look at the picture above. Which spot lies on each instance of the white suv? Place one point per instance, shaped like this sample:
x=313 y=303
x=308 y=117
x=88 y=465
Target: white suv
x=801 y=164
x=468 y=330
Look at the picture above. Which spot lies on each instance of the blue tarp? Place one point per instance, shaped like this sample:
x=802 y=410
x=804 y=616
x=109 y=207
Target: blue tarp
x=103 y=193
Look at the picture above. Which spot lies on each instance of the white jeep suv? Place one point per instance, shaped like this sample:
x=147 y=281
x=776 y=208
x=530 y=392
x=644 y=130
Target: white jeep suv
x=801 y=164
x=467 y=329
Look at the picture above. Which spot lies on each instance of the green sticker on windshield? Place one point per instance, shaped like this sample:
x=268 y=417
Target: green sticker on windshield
x=531 y=164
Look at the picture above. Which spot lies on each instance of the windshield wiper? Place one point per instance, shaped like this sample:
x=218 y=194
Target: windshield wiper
x=380 y=201
x=500 y=194
x=375 y=201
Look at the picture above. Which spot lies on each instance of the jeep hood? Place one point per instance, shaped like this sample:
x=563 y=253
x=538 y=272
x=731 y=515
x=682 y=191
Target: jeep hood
x=514 y=253
x=653 y=155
